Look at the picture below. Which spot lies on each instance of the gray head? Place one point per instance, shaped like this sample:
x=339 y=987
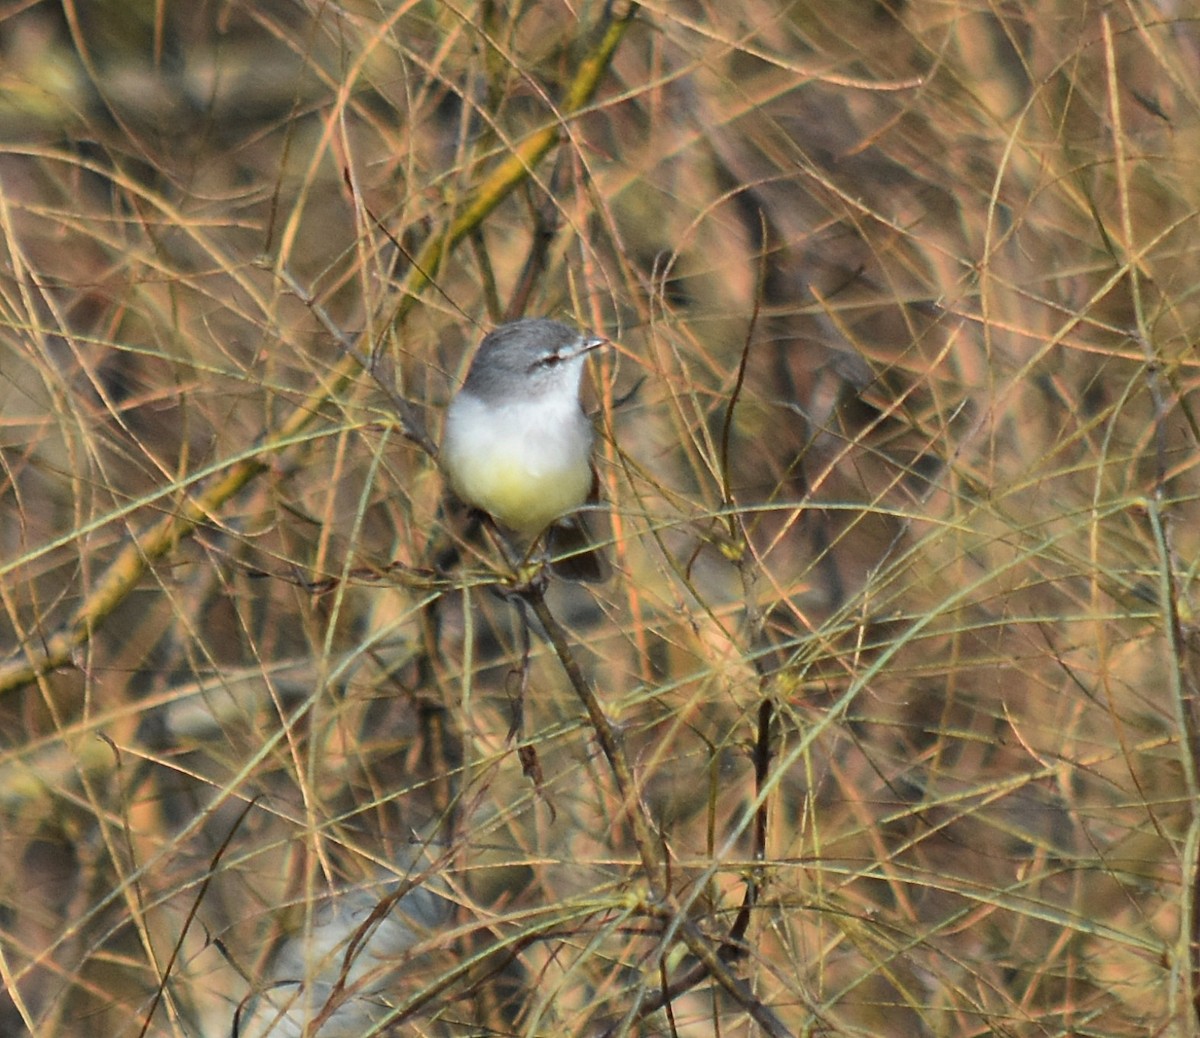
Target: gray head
x=532 y=356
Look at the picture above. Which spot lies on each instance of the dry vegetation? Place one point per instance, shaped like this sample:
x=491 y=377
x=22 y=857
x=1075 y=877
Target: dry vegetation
x=896 y=679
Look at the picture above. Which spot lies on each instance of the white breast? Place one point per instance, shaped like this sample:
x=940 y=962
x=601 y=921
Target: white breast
x=525 y=464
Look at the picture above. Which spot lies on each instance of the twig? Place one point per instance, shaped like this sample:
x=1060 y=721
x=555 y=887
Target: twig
x=710 y=953
x=160 y=990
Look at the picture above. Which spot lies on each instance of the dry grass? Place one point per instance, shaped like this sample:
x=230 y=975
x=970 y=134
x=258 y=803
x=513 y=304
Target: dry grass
x=896 y=680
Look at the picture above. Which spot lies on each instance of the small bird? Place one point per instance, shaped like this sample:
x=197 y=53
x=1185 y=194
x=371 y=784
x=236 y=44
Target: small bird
x=518 y=446
x=362 y=946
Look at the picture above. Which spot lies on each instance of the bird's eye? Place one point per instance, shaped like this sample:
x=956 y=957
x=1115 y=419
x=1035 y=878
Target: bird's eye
x=551 y=360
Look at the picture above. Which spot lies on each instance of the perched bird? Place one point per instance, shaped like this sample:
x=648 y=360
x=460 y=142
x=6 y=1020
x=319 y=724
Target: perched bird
x=518 y=446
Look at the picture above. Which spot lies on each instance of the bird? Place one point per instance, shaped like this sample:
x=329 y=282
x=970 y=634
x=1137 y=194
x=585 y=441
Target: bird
x=517 y=445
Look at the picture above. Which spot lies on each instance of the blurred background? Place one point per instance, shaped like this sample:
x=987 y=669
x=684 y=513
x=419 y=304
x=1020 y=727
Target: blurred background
x=897 y=447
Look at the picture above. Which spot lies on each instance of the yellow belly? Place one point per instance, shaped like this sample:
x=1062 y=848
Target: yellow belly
x=525 y=466
x=521 y=499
